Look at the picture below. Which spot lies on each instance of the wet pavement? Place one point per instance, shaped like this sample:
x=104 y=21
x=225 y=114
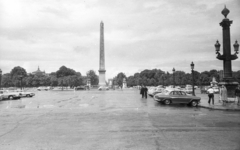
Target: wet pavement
x=110 y=120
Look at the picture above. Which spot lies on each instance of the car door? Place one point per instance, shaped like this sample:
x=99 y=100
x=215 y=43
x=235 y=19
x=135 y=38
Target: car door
x=175 y=97
x=184 y=97
x=178 y=97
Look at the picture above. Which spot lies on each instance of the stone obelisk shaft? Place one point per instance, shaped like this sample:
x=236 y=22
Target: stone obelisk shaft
x=102 y=57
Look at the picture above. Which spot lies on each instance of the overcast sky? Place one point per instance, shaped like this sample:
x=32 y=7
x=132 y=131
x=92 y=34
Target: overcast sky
x=139 y=34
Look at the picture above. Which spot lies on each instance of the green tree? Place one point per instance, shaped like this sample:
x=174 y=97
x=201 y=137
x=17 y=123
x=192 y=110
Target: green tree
x=93 y=77
x=119 y=78
x=64 y=71
x=17 y=74
x=7 y=80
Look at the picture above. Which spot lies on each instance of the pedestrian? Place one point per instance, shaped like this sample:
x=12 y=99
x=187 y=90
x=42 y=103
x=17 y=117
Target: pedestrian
x=142 y=91
x=224 y=94
x=145 y=91
x=220 y=93
x=237 y=94
x=210 y=92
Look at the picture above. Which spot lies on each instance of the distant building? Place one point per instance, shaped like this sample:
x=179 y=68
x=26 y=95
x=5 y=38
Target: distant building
x=39 y=72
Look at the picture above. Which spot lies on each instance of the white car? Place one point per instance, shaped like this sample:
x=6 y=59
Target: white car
x=43 y=88
x=154 y=91
x=9 y=95
x=103 y=88
x=1 y=97
x=24 y=93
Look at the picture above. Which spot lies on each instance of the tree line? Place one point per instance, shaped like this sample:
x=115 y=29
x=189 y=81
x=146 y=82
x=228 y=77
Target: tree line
x=18 y=77
x=68 y=77
x=157 y=77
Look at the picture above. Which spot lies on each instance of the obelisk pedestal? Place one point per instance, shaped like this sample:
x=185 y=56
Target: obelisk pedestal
x=102 y=81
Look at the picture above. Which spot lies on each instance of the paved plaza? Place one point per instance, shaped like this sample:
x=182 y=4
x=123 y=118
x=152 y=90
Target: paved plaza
x=113 y=120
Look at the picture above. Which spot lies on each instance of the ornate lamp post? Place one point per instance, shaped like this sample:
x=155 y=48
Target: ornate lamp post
x=0 y=78
x=227 y=57
x=192 y=67
x=21 y=76
x=173 y=77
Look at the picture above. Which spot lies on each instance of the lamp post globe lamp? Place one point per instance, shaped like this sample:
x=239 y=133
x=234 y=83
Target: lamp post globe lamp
x=173 y=77
x=236 y=47
x=217 y=46
x=192 y=67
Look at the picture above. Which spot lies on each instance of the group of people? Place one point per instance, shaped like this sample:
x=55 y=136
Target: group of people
x=143 y=91
x=223 y=94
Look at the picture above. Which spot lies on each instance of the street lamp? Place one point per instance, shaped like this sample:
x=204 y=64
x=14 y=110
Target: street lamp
x=0 y=79
x=173 y=77
x=21 y=76
x=192 y=67
x=227 y=57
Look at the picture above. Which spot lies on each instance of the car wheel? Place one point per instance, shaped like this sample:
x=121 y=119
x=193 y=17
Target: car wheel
x=10 y=97
x=167 y=102
x=194 y=103
x=28 y=95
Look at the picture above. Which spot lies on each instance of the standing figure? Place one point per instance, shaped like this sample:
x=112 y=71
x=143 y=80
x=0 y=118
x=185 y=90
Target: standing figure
x=220 y=94
x=237 y=94
x=142 y=91
x=224 y=94
x=210 y=92
x=145 y=91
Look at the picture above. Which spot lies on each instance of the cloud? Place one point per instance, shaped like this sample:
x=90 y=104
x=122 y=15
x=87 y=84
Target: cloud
x=138 y=34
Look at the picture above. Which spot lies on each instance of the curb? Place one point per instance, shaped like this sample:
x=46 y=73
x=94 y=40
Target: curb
x=225 y=109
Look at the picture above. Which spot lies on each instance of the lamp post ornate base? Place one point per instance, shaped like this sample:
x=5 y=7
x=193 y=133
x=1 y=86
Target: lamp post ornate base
x=228 y=81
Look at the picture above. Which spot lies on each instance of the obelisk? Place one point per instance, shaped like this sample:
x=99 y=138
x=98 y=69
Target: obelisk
x=102 y=58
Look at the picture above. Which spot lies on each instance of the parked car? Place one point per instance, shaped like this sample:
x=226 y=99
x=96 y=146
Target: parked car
x=42 y=88
x=1 y=97
x=103 y=88
x=80 y=88
x=24 y=93
x=151 y=90
x=9 y=95
x=177 y=96
x=155 y=91
x=188 y=90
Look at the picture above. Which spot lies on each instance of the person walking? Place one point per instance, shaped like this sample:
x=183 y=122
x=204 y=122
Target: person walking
x=142 y=91
x=237 y=94
x=145 y=91
x=224 y=94
x=210 y=92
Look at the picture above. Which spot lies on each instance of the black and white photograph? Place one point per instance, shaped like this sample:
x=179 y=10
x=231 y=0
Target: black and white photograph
x=119 y=75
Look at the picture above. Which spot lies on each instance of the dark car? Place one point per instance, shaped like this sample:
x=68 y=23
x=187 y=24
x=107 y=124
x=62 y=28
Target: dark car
x=177 y=96
x=80 y=88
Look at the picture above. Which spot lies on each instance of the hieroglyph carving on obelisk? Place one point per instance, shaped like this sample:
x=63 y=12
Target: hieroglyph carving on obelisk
x=102 y=57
